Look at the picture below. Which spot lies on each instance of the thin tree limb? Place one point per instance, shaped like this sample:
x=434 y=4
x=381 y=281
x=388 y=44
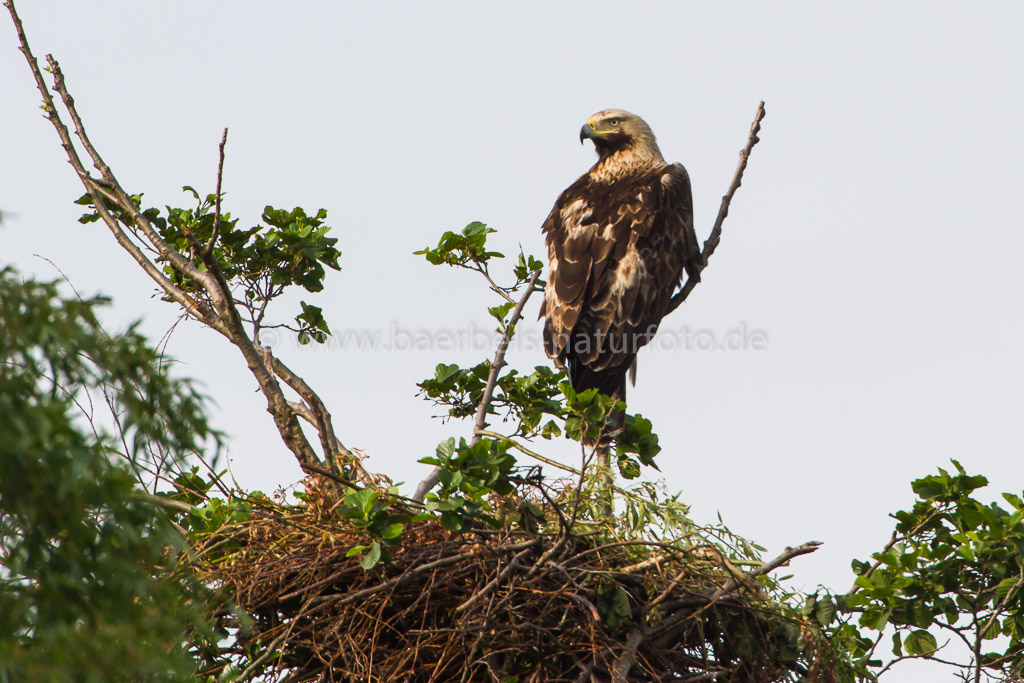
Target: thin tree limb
x=95 y=189
x=620 y=674
x=499 y=358
x=220 y=178
x=773 y=564
x=492 y=381
x=1000 y=606
x=121 y=197
x=163 y=501
x=223 y=316
x=716 y=232
x=526 y=451
x=664 y=629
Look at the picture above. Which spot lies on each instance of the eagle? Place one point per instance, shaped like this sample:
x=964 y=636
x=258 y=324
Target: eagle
x=619 y=240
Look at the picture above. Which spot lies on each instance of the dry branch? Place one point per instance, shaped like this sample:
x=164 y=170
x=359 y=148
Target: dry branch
x=716 y=232
x=773 y=564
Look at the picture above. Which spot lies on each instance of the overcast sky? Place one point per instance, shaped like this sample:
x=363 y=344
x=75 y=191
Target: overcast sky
x=874 y=247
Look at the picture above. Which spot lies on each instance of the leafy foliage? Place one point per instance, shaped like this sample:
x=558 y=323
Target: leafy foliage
x=955 y=568
x=541 y=403
x=470 y=474
x=462 y=248
x=91 y=586
x=291 y=249
x=373 y=513
x=468 y=249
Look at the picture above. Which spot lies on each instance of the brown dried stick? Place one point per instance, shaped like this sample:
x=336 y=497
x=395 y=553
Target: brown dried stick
x=716 y=232
x=220 y=180
x=783 y=557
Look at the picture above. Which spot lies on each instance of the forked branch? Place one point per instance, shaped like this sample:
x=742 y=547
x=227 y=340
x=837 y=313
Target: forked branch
x=137 y=235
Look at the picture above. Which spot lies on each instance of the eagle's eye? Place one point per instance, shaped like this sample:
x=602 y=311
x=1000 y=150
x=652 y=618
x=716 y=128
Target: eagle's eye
x=613 y=122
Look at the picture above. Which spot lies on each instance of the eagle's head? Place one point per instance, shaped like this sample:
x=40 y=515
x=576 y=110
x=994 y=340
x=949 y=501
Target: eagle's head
x=617 y=130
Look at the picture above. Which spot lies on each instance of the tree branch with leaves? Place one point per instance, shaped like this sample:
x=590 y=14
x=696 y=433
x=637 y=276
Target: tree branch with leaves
x=222 y=276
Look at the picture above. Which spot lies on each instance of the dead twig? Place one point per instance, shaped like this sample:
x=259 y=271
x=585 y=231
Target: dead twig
x=716 y=232
x=220 y=179
x=771 y=565
x=621 y=671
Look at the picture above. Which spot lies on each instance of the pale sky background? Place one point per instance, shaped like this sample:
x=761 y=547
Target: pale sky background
x=875 y=243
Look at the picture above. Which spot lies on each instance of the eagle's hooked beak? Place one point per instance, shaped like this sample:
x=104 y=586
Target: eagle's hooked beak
x=589 y=130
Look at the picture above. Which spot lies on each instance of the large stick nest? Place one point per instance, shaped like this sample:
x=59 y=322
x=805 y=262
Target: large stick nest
x=501 y=606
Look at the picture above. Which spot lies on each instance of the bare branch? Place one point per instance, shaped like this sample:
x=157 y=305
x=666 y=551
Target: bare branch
x=272 y=649
x=783 y=557
x=220 y=179
x=321 y=419
x=492 y=381
x=499 y=358
x=620 y=674
x=96 y=188
x=121 y=198
x=716 y=232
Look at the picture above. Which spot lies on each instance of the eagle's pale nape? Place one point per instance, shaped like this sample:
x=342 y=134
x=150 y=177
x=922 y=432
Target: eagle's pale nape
x=619 y=240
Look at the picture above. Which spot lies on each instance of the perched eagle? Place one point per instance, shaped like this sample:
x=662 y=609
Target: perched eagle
x=618 y=241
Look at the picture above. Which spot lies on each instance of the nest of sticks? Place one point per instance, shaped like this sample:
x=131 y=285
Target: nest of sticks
x=502 y=606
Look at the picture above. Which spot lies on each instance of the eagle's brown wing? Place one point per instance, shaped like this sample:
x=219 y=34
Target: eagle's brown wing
x=616 y=253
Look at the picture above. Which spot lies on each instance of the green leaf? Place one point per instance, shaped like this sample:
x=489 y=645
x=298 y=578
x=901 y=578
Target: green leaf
x=500 y=312
x=613 y=603
x=1005 y=586
x=362 y=499
x=920 y=643
x=573 y=429
x=628 y=467
x=371 y=558
x=446 y=449
x=1014 y=500
x=825 y=610
x=443 y=373
x=451 y=522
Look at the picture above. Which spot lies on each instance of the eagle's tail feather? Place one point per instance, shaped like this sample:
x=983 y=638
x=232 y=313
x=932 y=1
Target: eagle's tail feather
x=610 y=382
